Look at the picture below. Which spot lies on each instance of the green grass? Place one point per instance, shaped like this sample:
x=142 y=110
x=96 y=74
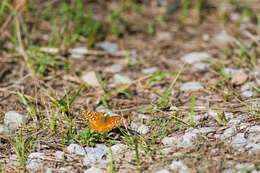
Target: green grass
x=192 y=111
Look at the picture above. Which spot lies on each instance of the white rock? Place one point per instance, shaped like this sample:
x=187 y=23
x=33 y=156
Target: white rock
x=5 y=130
x=33 y=164
x=254 y=129
x=236 y=120
x=191 y=86
x=78 y=50
x=247 y=86
x=107 y=46
x=170 y=140
x=51 y=50
x=150 y=70
x=49 y=170
x=201 y=66
x=76 y=149
x=13 y=119
x=187 y=140
x=195 y=56
x=91 y=79
x=229 y=132
x=59 y=154
x=122 y=79
x=163 y=171
x=118 y=148
x=196 y=118
x=94 y=170
x=95 y=154
x=143 y=116
x=248 y=94
x=77 y=56
x=115 y=68
x=239 y=139
x=230 y=71
x=223 y=38
x=143 y=129
x=179 y=166
x=253 y=148
x=36 y=155
x=254 y=137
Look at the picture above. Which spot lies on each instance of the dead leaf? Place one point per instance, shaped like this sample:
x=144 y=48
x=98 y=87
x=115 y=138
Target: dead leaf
x=239 y=78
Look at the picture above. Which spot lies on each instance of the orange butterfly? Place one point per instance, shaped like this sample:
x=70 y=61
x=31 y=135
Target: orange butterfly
x=100 y=122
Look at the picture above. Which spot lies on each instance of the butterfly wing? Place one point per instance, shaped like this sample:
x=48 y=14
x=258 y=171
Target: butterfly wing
x=105 y=124
x=91 y=116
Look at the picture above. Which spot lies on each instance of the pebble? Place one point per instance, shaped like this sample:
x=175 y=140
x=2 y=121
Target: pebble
x=150 y=70
x=143 y=116
x=164 y=36
x=230 y=71
x=59 y=154
x=196 y=118
x=201 y=66
x=191 y=86
x=229 y=132
x=95 y=154
x=254 y=129
x=49 y=170
x=13 y=119
x=122 y=79
x=115 y=68
x=247 y=86
x=253 y=148
x=50 y=50
x=78 y=50
x=119 y=148
x=76 y=149
x=179 y=166
x=223 y=38
x=236 y=120
x=239 y=139
x=143 y=129
x=195 y=57
x=91 y=79
x=94 y=170
x=33 y=162
x=254 y=137
x=170 y=140
x=163 y=171
x=248 y=94
x=5 y=130
x=107 y=46
x=36 y=155
x=77 y=56
x=187 y=139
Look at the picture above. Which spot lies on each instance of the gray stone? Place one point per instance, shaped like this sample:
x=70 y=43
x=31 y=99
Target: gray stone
x=253 y=148
x=36 y=155
x=122 y=79
x=229 y=132
x=223 y=38
x=248 y=94
x=187 y=139
x=170 y=140
x=205 y=130
x=247 y=86
x=254 y=137
x=95 y=154
x=49 y=170
x=150 y=70
x=239 y=139
x=118 y=148
x=114 y=68
x=50 y=50
x=13 y=119
x=33 y=162
x=77 y=56
x=143 y=129
x=191 y=86
x=236 y=120
x=91 y=79
x=163 y=171
x=60 y=155
x=78 y=50
x=230 y=71
x=201 y=66
x=254 y=129
x=195 y=57
x=94 y=170
x=180 y=167
x=5 y=130
x=76 y=149
x=107 y=46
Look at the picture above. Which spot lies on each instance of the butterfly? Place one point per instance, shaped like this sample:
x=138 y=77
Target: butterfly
x=101 y=122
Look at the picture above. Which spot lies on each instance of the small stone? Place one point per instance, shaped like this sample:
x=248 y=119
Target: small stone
x=94 y=170
x=91 y=79
x=143 y=129
x=50 y=50
x=170 y=140
x=33 y=164
x=76 y=149
x=239 y=78
x=118 y=148
x=229 y=132
x=191 y=86
x=77 y=56
x=201 y=66
x=163 y=171
x=254 y=137
x=179 y=166
x=247 y=86
x=78 y=50
x=187 y=140
x=115 y=68
x=150 y=70
x=60 y=155
x=254 y=129
x=248 y=94
x=222 y=38
x=236 y=120
x=13 y=119
x=239 y=139
x=195 y=57
x=143 y=116
x=95 y=154
x=122 y=79
x=5 y=130
x=107 y=46
x=164 y=36
x=49 y=170
x=230 y=71
x=253 y=148
x=36 y=155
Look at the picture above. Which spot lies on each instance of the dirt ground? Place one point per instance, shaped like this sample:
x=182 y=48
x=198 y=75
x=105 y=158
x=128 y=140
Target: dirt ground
x=49 y=88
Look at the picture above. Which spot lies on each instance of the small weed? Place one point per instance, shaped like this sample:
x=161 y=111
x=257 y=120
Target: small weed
x=221 y=118
x=116 y=22
x=192 y=111
x=112 y=168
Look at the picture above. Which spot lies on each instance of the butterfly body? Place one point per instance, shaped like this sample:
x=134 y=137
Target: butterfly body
x=101 y=122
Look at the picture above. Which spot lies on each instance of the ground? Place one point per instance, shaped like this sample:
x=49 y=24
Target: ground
x=184 y=75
